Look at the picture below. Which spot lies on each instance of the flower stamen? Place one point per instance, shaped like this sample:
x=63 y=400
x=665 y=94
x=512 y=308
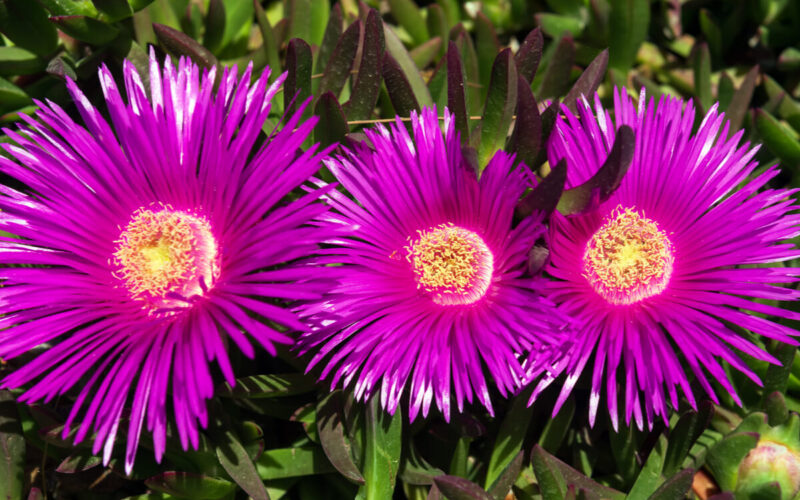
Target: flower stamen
x=629 y=258
x=165 y=257
x=454 y=265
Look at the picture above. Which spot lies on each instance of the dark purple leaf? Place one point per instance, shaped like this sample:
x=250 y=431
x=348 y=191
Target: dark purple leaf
x=607 y=179
x=456 y=98
x=332 y=125
x=526 y=139
x=368 y=82
x=333 y=438
x=557 y=75
x=398 y=87
x=297 y=87
x=529 y=54
x=587 y=83
x=545 y=196
x=333 y=31
x=458 y=488
x=500 y=488
x=181 y=44
x=337 y=71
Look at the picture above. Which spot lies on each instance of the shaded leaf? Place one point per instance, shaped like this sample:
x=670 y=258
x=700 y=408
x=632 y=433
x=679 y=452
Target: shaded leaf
x=78 y=463
x=237 y=463
x=556 y=428
x=415 y=470
x=410 y=18
x=498 y=112
x=267 y=386
x=332 y=436
x=11 y=96
x=181 y=44
x=188 y=485
x=740 y=102
x=776 y=409
x=628 y=24
x=487 y=47
x=269 y=41
x=337 y=71
x=649 y=478
x=777 y=138
x=509 y=438
x=458 y=488
x=114 y=10
x=557 y=75
x=332 y=126
x=18 y=61
x=587 y=83
x=215 y=25
x=676 y=487
x=368 y=82
x=333 y=31
x=701 y=63
x=297 y=87
x=299 y=14
x=12 y=449
x=397 y=85
x=90 y=30
x=501 y=486
x=526 y=139
x=555 y=476
x=684 y=434
x=26 y=24
x=529 y=55
x=724 y=458
x=293 y=462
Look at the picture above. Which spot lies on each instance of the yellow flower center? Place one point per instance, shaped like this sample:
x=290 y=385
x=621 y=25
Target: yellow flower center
x=166 y=257
x=451 y=263
x=629 y=258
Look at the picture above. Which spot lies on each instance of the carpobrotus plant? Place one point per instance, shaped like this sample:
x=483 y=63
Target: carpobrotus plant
x=142 y=247
x=654 y=275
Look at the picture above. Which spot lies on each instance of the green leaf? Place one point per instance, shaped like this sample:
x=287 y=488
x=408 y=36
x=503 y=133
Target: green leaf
x=25 y=23
x=458 y=463
x=501 y=101
x=335 y=443
x=282 y=463
x=367 y=86
x=426 y=52
x=650 y=478
x=438 y=26
x=712 y=34
x=556 y=428
x=509 y=438
x=724 y=458
x=605 y=181
x=397 y=85
x=628 y=23
x=777 y=376
x=237 y=463
x=501 y=486
x=555 y=477
x=270 y=44
x=333 y=31
x=299 y=14
x=215 y=25
x=587 y=83
x=383 y=443
x=12 y=448
x=530 y=54
x=267 y=386
x=320 y=13
x=469 y=59
x=297 y=87
x=555 y=81
x=777 y=138
x=701 y=63
x=332 y=125
x=87 y=29
x=684 y=434
x=776 y=408
x=238 y=19
x=395 y=47
x=487 y=47
x=18 y=61
x=789 y=60
x=69 y=7
x=740 y=102
x=558 y=26
x=458 y=488
x=188 y=485
x=114 y=10
x=337 y=71
x=137 y=5
x=410 y=18
x=78 y=463
x=676 y=487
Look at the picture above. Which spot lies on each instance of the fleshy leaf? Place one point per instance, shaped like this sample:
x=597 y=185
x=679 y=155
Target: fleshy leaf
x=529 y=55
x=509 y=438
x=337 y=71
x=399 y=88
x=270 y=43
x=458 y=488
x=18 y=61
x=237 y=463
x=502 y=485
x=498 y=112
x=587 y=83
x=395 y=47
x=12 y=449
x=267 y=386
x=487 y=47
x=188 y=485
x=701 y=62
x=555 y=430
x=410 y=18
x=740 y=101
x=90 y=30
x=456 y=97
x=555 y=81
x=684 y=434
x=724 y=458
x=628 y=24
x=332 y=126
x=555 y=477
x=25 y=23
x=333 y=31
x=297 y=87
x=335 y=443
x=676 y=487
x=114 y=10
x=383 y=442
x=215 y=25
x=301 y=461
x=777 y=138
x=526 y=139
x=607 y=179
x=183 y=45
x=368 y=82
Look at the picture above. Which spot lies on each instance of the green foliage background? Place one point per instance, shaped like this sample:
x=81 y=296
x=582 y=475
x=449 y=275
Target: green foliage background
x=498 y=64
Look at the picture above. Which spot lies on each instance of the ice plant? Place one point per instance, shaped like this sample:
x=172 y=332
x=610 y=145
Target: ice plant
x=655 y=275
x=141 y=248
x=433 y=286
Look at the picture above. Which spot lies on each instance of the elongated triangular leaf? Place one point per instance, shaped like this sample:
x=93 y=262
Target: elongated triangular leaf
x=526 y=139
x=297 y=87
x=12 y=449
x=587 y=83
x=181 y=44
x=332 y=126
x=335 y=443
x=337 y=71
x=268 y=386
x=400 y=92
x=456 y=97
x=529 y=55
x=368 y=82
x=382 y=446
x=188 y=485
x=501 y=101
x=458 y=488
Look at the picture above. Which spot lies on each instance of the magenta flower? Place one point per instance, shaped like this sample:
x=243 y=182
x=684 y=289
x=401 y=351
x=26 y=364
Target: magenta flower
x=654 y=275
x=432 y=288
x=145 y=246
